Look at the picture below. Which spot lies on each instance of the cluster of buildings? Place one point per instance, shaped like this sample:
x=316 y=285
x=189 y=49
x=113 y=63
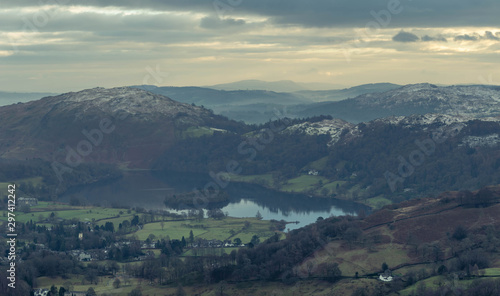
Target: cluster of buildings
x=27 y=201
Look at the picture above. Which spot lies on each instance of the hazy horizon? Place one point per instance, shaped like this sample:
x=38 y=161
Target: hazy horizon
x=305 y=84
x=62 y=46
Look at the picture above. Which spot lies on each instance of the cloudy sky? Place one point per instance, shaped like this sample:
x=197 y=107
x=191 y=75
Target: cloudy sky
x=68 y=45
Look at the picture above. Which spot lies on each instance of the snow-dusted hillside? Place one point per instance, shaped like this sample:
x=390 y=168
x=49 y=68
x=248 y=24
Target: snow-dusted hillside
x=426 y=119
x=476 y=101
x=340 y=130
x=333 y=127
x=124 y=99
x=478 y=141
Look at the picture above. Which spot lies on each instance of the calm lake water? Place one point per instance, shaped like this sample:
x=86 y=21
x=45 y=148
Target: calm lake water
x=147 y=189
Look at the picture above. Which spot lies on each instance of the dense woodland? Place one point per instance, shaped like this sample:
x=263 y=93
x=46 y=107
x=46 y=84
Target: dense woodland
x=451 y=166
x=51 y=186
x=285 y=153
x=260 y=151
x=361 y=161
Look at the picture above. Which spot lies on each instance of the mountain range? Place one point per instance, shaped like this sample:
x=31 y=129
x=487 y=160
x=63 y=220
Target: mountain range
x=381 y=159
x=259 y=106
x=356 y=104
x=276 y=86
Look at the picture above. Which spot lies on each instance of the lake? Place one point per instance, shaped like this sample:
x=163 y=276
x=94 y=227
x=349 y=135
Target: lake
x=147 y=189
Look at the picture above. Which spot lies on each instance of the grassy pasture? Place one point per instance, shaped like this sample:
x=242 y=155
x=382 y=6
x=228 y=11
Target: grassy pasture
x=227 y=228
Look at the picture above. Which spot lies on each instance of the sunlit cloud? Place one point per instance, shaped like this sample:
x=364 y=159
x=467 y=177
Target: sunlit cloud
x=269 y=40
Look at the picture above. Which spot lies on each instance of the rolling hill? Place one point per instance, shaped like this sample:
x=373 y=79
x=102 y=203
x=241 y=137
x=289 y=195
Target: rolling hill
x=123 y=126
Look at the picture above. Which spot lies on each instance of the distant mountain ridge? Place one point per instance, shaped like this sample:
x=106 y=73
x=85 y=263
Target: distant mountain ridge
x=276 y=86
x=357 y=104
x=258 y=106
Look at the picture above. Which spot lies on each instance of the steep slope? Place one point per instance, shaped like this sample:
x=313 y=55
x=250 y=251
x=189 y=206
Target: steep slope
x=119 y=125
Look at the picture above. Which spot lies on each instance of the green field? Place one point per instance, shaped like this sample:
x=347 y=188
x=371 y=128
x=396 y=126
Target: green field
x=105 y=285
x=304 y=183
x=52 y=206
x=264 y=179
x=432 y=282
x=332 y=187
x=227 y=228
x=43 y=211
x=196 y=132
x=364 y=261
x=378 y=202
x=492 y=271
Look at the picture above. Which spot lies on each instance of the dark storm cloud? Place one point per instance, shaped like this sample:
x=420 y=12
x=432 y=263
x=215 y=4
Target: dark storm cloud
x=490 y=36
x=405 y=37
x=91 y=21
x=466 y=37
x=318 y=13
x=427 y=38
x=216 y=23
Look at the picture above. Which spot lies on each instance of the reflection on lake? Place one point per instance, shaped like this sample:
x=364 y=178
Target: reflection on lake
x=147 y=189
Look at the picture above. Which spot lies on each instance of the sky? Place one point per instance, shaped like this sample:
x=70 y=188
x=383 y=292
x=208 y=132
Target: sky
x=68 y=45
